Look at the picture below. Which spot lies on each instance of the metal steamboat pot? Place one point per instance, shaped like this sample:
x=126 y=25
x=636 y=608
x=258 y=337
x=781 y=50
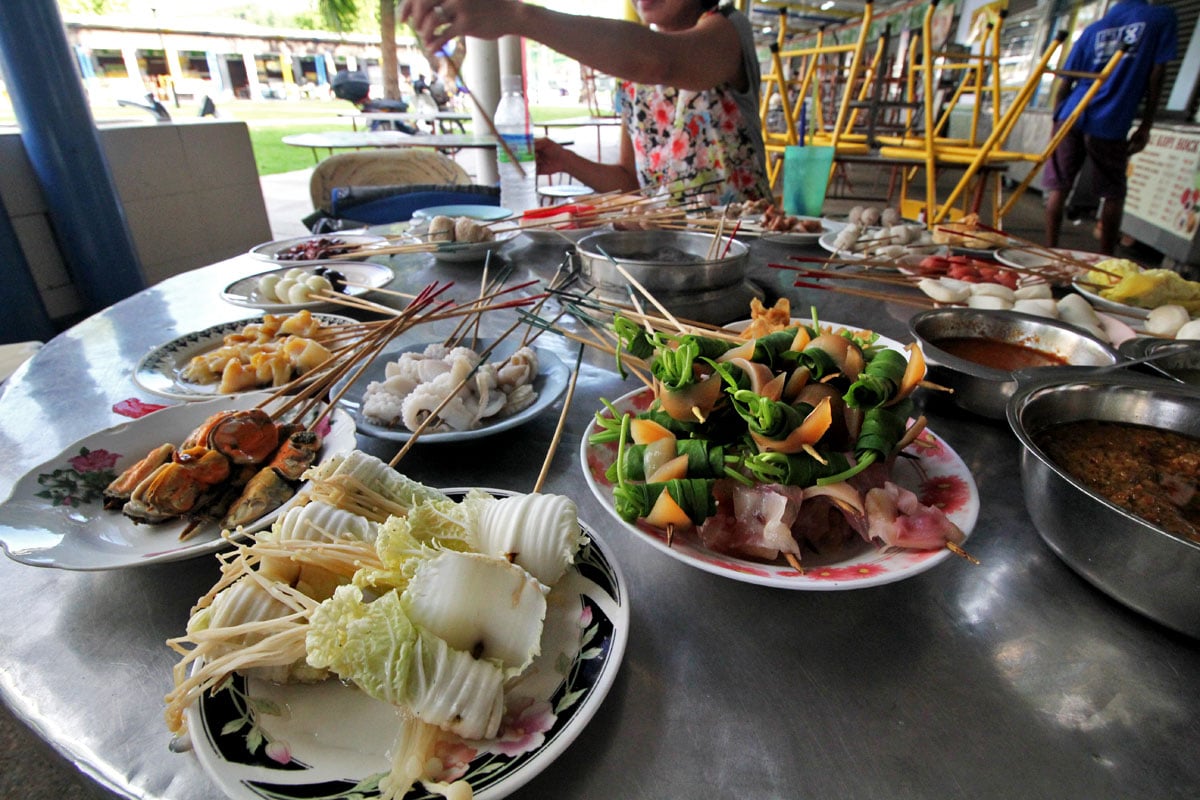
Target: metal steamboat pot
x=1147 y=569
x=675 y=268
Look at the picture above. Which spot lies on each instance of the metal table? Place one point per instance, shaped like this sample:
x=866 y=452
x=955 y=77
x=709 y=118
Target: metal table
x=1011 y=679
x=446 y=119
x=358 y=140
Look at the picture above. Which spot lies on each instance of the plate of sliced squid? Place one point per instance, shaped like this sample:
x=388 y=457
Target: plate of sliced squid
x=396 y=392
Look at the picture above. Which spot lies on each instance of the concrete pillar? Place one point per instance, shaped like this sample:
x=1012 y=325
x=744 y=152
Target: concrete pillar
x=252 y=76
x=481 y=72
x=137 y=82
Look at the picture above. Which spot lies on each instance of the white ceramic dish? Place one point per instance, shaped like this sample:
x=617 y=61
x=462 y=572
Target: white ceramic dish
x=270 y=251
x=366 y=276
x=455 y=253
x=337 y=738
x=55 y=516
x=923 y=246
x=471 y=210
x=833 y=327
x=551 y=381
x=828 y=226
x=1031 y=259
x=1132 y=314
x=935 y=473
x=159 y=371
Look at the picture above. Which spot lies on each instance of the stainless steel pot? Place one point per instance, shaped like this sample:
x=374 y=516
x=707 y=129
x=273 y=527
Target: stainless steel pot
x=1147 y=569
x=986 y=390
x=667 y=263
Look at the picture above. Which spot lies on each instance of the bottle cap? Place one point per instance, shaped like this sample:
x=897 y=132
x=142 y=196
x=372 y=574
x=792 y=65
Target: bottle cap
x=512 y=84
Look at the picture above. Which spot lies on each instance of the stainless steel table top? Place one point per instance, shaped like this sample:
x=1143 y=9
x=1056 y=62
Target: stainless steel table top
x=1011 y=679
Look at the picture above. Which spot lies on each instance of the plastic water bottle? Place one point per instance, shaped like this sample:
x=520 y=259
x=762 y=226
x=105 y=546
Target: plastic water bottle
x=517 y=193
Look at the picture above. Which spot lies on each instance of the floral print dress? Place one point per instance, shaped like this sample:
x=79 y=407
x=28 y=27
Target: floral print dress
x=708 y=142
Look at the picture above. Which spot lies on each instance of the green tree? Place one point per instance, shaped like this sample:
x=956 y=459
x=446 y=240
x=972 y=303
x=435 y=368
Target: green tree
x=343 y=14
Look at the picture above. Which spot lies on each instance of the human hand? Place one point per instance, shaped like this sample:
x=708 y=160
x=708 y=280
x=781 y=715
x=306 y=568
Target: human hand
x=1139 y=140
x=550 y=155
x=438 y=21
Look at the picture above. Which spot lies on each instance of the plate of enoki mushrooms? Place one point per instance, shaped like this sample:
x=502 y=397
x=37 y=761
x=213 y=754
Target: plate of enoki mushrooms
x=388 y=637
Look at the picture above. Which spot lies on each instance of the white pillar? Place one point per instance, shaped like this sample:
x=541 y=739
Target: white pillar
x=481 y=72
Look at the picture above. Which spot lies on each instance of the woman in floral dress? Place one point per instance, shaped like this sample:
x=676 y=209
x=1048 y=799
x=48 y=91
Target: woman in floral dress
x=689 y=97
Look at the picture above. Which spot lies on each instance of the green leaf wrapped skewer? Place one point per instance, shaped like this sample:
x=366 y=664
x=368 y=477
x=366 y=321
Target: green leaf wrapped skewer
x=794 y=469
x=883 y=429
x=879 y=381
x=705 y=460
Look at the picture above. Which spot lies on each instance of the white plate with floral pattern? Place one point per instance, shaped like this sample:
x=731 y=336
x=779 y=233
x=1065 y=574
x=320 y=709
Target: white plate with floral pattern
x=935 y=473
x=259 y=739
x=160 y=371
x=55 y=516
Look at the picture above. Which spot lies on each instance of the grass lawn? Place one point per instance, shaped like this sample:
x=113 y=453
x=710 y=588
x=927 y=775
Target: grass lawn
x=270 y=120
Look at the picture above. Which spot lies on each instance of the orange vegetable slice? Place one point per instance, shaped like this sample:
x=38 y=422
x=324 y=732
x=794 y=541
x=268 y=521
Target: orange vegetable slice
x=644 y=431
x=675 y=468
x=666 y=512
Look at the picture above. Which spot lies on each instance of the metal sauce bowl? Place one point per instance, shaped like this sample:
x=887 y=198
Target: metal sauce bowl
x=986 y=390
x=1149 y=570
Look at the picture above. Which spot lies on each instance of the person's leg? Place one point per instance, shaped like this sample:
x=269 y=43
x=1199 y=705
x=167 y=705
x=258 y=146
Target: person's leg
x=1112 y=160
x=1062 y=168
x=1110 y=224
x=1055 y=200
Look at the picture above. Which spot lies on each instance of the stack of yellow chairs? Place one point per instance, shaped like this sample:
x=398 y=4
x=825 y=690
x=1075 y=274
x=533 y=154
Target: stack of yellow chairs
x=977 y=160
x=824 y=66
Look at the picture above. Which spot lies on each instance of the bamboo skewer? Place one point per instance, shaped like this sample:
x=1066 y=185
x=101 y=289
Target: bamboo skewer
x=562 y=421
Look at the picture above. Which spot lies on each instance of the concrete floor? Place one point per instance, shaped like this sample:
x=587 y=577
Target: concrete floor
x=30 y=769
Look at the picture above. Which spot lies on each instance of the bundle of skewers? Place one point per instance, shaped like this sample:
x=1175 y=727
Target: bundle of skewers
x=744 y=430
x=238 y=466
x=941 y=280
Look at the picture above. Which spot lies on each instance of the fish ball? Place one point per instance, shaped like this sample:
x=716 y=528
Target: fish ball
x=267 y=284
x=988 y=302
x=993 y=290
x=944 y=291
x=1034 y=291
x=855 y=215
x=890 y=216
x=1189 y=331
x=893 y=251
x=298 y=293
x=466 y=230
x=1038 y=306
x=870 y=216
x=294 y=274
x=318 y=283
x=441 y=229
x=282 y=288
x=1074 y=309
x=1167 y=320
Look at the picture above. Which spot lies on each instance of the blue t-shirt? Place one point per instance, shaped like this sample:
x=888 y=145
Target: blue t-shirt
x=1149 y=33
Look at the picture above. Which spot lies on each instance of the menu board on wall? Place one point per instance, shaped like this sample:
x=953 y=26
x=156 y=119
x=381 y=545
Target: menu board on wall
x=1164 y=182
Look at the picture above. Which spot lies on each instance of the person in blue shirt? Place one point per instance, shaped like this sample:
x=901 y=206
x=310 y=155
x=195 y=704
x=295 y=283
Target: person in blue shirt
x=1102 y=131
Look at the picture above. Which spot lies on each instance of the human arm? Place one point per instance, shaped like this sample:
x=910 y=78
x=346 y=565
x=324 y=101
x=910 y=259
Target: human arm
x=621 y=177
x=704 y=55
x=1141 y=135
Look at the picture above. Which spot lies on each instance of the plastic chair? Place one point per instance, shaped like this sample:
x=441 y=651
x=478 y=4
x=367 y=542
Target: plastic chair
x=407 y=167
x=380 y=205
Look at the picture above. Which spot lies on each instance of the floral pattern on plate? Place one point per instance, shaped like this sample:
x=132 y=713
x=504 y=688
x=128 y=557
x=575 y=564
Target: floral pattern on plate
x=935 y=473
x=329 y=740
x=55 y=516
